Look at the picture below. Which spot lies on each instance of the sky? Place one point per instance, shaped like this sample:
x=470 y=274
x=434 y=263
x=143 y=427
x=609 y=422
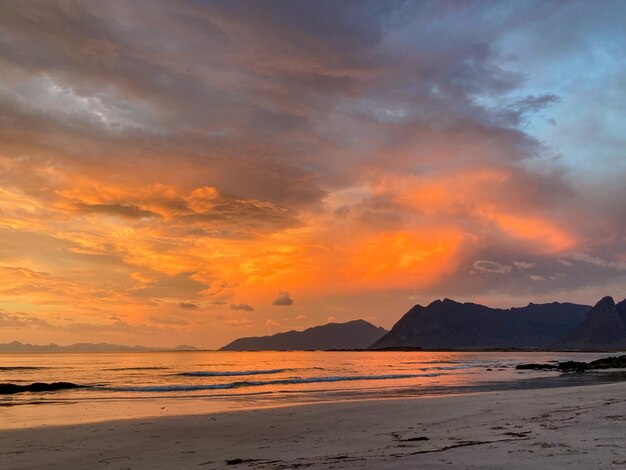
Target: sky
x=196 y=171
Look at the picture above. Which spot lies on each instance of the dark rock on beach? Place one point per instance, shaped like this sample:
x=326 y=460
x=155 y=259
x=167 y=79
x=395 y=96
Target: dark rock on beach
x=612 y=362
x=9 y=388
x=572 y=366
x=536 y=367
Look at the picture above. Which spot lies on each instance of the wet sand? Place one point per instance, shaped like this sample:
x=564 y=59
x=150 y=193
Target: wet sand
x=574 y=427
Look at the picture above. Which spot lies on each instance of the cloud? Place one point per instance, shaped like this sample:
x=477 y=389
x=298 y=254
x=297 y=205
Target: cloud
x=120 y=210
x=273 y=324
x=182 y=284
x=353 y=151
x=23 y=321
x=170 y=321
x=245 y=307
x=491 y=267
x=536 y=278
x=244 y=322
x=301 y=318
x=283 y=299
x=188 y=306
x=524 y=264
x=597 y=261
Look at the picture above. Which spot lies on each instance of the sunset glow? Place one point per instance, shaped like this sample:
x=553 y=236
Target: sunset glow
x=196 y=172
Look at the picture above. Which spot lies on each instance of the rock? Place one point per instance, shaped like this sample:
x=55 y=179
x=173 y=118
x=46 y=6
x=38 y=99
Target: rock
x=536 y=367
x=9 y=388
x=609 y=363
x=572 y=366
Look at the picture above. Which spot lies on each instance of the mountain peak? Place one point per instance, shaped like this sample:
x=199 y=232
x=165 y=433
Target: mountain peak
x=603 y=328
x=446 y=301
x=605 y=301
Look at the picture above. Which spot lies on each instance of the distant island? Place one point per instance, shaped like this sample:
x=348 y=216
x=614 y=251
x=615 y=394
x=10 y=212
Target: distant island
x=357 y=334
x=450 y=325
x=16 y=346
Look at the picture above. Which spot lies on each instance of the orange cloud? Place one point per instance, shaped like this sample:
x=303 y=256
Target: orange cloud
x=404 y=259
x=479 y=195
x=542 y=233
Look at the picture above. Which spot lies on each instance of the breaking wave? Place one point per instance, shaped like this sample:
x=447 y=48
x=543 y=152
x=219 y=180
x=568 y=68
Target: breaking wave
x=260 y=383
x=203 y=373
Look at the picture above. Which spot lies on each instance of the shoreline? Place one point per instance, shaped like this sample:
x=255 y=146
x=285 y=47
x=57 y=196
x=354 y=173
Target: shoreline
x=47 y=410
x=577 y=426
x=366 y=350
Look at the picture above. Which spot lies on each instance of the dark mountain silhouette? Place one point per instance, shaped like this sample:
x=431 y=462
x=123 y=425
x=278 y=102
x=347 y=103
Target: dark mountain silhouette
x=357 y=334
x=186 y=347
x=603 y=328
x=446 y=324
x=16 y=346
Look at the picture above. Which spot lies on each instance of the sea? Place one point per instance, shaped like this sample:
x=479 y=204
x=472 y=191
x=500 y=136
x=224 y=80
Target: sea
x=148 y=384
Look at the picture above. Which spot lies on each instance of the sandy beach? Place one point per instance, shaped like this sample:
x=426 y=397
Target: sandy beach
x=574 y=427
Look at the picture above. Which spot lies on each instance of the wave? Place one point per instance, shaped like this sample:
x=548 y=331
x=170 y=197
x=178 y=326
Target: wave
x=203 y=373
x=3 y=369
x=431 y=362
x=137 y=368
x=467 y=366
x=250 y=383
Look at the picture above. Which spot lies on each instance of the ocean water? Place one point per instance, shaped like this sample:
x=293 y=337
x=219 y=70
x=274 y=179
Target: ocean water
x=140 y=384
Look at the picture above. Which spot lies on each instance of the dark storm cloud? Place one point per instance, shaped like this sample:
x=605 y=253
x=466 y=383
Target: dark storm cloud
x=128 y=79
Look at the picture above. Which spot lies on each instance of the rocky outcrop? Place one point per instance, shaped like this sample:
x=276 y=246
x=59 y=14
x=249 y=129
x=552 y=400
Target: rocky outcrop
x=576 y=366
x=9 y=388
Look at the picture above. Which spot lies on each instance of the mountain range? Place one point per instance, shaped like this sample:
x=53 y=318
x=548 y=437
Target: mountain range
x=16 y=346
x=357 y=334
x=446 y=324
x=443 y=324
